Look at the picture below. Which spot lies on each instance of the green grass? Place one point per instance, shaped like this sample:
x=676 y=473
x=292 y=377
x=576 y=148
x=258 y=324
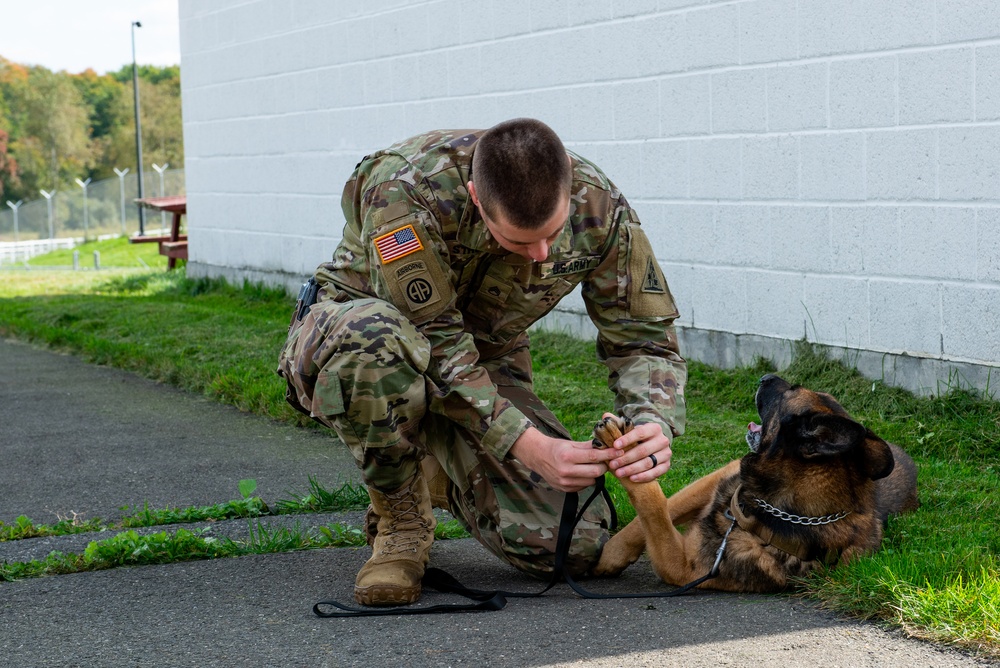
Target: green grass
x=936 y=577
x=116 y=252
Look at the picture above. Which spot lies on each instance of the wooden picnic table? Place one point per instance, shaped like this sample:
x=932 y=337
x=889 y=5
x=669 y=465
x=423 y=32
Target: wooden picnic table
x=175 y=244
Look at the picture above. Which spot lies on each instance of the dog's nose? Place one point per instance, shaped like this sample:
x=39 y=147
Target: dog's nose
x=768 y=378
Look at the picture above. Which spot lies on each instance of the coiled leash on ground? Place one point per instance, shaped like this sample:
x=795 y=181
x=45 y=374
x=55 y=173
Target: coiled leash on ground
x=486 y=601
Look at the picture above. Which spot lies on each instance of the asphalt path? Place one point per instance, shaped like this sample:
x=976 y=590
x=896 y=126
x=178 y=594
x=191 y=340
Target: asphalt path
x=86 y=441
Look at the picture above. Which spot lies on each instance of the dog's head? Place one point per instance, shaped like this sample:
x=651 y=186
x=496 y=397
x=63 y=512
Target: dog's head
x=800 y=429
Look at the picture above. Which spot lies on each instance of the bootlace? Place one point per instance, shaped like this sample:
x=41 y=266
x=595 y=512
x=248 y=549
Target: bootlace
x=407 y=523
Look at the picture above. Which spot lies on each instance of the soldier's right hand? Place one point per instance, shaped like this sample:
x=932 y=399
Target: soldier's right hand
x=567 y=466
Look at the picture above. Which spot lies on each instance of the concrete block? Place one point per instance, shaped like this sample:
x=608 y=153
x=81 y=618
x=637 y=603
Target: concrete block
x=739 y=101
x=830 y=27
x=935 y=86
x=892 y=24
x=741 y=236
x=768 y=31
x=774 y=304
x=463 y=65
x=620 y=162
x=589 y=112
x=623 y=8
x=506 y=16
x=686 y=105
x=987 y=98
x=584 y=12
x=960 y=20
x=664 y=169
x=905 y=316
x=832 y=166
x=637 y=110
x=549 y=15
x=662 y=42
x=715 y=168
x=796 y=97
x=968 y=163
x=835 y=310
x=970 y=322
x=862 y=92
x=938 y=242
x=800 y=238
x=770 y=167
x=684 y=233
x=865 y=240
x=988 y=245
x=902 y=164
x=718 y=298
x=713 y=36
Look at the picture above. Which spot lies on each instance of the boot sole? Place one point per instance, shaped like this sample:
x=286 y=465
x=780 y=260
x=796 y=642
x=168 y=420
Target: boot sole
x=377 y=595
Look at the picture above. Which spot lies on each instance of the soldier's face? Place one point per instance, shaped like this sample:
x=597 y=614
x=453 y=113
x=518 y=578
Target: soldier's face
x=531 y=244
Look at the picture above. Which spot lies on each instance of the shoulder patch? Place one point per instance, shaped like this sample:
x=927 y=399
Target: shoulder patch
x=652 y=282
x=397 y=244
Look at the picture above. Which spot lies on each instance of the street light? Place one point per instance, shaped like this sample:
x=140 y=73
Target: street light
x=52 y=227
x=160 y=170
x=15 y=207
x=121 y=189
x=86 y=213
x=138 y=128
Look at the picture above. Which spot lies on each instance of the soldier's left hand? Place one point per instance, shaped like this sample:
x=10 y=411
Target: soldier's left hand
x=636 y=464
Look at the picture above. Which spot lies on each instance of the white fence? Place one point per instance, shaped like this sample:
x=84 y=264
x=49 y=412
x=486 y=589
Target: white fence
x=107 y=208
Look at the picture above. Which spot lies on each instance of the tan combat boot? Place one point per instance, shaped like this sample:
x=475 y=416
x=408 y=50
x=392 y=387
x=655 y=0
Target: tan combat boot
x=401 y=548
x=437 y=485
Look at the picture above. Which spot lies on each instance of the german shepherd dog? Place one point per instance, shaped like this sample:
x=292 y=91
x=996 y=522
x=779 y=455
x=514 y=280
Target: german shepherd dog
x=816 y=488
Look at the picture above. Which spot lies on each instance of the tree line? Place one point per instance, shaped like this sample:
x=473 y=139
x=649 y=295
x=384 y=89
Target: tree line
x=56 y=127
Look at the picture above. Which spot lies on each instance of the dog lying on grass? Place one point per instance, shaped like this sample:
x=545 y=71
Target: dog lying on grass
x=816 y=488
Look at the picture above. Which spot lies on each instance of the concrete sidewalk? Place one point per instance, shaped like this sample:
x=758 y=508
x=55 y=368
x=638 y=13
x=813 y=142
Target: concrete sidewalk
x=86 y=440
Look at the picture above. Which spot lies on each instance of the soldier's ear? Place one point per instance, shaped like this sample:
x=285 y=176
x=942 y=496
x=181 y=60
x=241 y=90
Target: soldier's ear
x=472 y=192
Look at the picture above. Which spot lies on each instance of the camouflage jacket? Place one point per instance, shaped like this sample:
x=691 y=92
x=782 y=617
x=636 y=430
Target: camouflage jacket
x=414 y=238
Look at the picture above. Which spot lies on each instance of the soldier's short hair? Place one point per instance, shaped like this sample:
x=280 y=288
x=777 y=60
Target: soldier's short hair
x=520 y=170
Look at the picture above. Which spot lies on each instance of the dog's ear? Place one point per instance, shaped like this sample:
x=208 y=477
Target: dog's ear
x=878 y=456
x=825 y=434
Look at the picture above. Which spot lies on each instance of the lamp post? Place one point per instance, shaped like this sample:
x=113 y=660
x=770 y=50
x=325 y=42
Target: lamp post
x=138 y=128
x=121 y=189
x=86 y=213
x=160 y=170
x=52 y=227
x=15 y=207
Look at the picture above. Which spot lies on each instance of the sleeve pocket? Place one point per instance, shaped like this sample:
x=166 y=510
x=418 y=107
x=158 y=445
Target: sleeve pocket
x=327 y=398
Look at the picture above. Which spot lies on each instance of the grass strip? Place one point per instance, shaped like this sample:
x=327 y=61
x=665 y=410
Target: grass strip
x=129 y=548
x=223 y=341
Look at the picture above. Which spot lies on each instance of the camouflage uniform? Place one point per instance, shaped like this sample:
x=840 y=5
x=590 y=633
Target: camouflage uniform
x=417 y=344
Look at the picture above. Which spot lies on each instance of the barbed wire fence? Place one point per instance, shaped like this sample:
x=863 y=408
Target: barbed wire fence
x=103 y=209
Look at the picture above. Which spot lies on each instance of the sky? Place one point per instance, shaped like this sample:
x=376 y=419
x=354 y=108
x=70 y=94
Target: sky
x=75 y=35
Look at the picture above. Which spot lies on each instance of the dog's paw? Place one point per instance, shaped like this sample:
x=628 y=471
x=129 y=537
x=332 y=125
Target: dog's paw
x=615 y=558
x=609 y=429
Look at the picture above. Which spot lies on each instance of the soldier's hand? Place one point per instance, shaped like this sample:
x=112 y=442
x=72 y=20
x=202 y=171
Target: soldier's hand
x=567 y=466
x=635 y=463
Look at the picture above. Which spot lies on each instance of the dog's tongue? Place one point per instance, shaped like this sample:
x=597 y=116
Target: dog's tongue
x=753 y=427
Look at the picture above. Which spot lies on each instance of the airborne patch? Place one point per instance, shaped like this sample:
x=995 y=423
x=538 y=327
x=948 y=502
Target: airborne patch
x=397 y=244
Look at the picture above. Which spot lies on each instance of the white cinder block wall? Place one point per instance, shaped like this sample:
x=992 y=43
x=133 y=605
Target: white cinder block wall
x=827 y=169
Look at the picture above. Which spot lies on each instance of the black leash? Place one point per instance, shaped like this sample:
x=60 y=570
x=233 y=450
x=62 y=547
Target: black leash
x=485 y=601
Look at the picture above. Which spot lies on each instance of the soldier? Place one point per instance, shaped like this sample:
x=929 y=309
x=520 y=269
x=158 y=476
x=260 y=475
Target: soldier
x=416 y=350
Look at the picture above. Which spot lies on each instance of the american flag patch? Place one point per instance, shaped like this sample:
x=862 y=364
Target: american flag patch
x=397 y=244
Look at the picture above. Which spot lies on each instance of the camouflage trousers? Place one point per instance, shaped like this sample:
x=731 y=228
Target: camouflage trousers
x=358 y=367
